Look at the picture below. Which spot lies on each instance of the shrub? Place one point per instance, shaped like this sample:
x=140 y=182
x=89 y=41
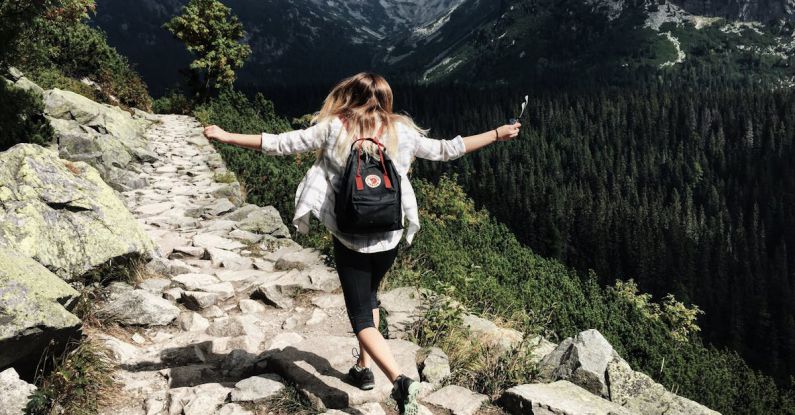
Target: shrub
x=22 y=119
x=173 y=102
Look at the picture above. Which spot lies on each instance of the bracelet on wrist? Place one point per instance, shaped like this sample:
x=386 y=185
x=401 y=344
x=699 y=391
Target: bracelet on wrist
x=496 y=135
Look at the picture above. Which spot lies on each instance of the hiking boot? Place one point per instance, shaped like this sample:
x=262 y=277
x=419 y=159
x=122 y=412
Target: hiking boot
x=362 y=377
x=404 y=392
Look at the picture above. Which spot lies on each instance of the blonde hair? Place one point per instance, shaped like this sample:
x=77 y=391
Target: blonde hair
x=365 y=102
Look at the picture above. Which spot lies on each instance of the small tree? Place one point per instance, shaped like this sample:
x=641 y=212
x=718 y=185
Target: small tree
x=212 y=33
x=16 y=16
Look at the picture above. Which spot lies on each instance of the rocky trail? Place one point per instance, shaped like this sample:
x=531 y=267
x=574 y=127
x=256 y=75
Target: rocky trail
x=237 y=307
x=228 y=315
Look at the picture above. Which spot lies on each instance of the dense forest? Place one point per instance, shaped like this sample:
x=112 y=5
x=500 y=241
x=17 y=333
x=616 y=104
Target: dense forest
x=469 y=254
x=684 y=185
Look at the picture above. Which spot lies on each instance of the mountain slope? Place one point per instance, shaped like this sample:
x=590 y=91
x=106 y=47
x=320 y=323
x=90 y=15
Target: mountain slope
x=521 y=41
x=293 y=41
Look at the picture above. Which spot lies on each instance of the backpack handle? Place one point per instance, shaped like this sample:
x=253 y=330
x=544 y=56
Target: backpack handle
x=360 y=141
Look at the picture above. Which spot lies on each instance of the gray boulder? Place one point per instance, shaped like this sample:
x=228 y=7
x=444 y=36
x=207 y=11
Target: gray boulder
x=458 y=400
x=642 y=395
x=14 y=393
x=139 y=308
x=62 y=214
x=34 y=310
x=558 y=398
x=582 y=361
x=257 y=388
x=103 y=118
x=504 y=339
x=260 y=220
x=404 y=306
x=434 y=365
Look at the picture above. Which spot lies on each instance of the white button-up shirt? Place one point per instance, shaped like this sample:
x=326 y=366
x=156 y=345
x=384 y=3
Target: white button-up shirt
x=316 y=192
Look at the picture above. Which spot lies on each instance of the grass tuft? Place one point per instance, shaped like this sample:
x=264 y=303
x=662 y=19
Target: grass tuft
x=79 y=381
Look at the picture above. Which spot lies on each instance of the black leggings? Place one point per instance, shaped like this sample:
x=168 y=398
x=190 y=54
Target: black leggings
x=360 y=275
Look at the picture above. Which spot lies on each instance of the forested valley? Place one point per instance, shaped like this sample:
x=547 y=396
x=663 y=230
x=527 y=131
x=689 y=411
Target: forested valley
x=685 y=187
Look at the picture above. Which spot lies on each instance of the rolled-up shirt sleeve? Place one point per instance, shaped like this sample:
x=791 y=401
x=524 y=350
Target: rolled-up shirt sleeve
x=439 y=150
x=297 y=141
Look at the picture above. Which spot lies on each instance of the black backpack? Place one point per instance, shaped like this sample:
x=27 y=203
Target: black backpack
x=369 y=197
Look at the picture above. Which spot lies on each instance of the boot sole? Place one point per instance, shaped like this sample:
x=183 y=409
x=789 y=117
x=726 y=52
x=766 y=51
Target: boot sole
x=411 y=406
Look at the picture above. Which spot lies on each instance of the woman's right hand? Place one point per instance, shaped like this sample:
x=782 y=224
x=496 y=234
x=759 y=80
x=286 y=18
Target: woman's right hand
x=508 y=131
x=214 y=132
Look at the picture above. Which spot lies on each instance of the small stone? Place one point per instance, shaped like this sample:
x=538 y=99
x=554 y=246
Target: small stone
x=329 y=301
x=173 y=294
x=139 y=307
x=257 y=388
x=187 y=251
x=138 y=339
x=228 y=259
x=233 y=409
x=208 y=240
x=158 y=266
x=192 y=321
x=220 y=207
x=178 y=267
x=197 y=300
x=232 y=327
x=194 y=282
x=457 y=399
x=251 y=306
x=213 y=311
x=155 y=285
x=434 y=365
x=317 y=317
x=273 y=295
x=490 y=334
x=282 y=340
x=246 y=236
x=291 y=323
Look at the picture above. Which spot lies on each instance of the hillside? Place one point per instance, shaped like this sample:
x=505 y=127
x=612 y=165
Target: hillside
x=194 y=301
x=529 y=43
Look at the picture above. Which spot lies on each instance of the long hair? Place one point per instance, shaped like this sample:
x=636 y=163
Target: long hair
x=365 y=102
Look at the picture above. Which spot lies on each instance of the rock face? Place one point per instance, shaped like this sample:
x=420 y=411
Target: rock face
x=583 y=361
x=106 y=137
x=34 y=309
x=642 y=395
x=318 y=366
x=14 y=393
x=62 y=214
x=558 y=398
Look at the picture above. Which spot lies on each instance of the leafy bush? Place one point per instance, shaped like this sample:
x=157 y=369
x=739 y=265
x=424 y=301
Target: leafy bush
x=22 y=119
x=56 y=44
x=173 y=102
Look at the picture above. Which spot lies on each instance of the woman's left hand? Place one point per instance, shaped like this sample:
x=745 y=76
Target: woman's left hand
x=214 y=132
x=508 y=132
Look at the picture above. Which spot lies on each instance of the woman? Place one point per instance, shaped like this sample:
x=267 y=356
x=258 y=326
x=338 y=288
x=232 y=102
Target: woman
x=357 y=107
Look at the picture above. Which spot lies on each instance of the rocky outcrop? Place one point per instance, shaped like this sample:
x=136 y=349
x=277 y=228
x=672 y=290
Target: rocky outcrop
x=641 y=395
x=590 y=374
x=558 y=398
x=106 y=137
x=34 y=310
x=62 y=214
x=14 y=393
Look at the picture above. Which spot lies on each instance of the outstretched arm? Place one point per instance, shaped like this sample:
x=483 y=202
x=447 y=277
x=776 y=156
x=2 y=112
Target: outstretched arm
x=503 y=133
x=446 y=150
x=252 y=141
x=291 y=142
